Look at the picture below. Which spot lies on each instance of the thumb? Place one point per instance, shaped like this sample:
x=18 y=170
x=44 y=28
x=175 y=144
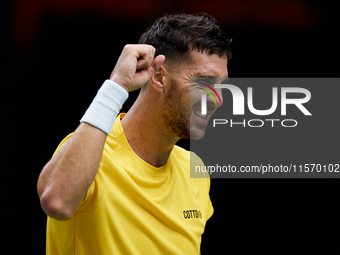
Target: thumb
x=156 y=64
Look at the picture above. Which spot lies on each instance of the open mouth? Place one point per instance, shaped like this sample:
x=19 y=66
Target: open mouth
x=198 y=111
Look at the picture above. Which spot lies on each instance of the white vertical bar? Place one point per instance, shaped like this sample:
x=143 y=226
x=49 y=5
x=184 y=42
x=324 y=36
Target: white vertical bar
x=204 y=105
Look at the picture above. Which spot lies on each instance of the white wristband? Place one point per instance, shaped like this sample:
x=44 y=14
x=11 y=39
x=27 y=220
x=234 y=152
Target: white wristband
x=105 y=106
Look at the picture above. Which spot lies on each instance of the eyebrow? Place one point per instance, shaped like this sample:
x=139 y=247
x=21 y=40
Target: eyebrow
x=200 y=75
x=211 y=77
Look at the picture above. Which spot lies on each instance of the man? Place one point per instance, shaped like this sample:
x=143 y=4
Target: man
x=120 y=185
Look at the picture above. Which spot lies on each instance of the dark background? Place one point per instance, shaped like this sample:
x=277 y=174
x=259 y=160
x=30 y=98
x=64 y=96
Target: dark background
x=54 y=56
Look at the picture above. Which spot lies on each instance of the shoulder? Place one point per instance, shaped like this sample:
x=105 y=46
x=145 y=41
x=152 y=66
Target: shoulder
x=194 y=164
x=181 y=154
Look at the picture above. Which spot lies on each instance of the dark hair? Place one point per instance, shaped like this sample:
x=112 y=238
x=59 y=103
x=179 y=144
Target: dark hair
x=175 y=36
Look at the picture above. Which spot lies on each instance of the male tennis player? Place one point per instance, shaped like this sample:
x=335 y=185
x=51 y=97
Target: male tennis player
x=120 y=185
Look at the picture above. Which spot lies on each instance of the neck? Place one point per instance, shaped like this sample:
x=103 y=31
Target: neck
x=146 y=133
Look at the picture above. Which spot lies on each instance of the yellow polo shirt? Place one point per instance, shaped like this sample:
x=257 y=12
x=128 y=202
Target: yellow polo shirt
x=135 y=208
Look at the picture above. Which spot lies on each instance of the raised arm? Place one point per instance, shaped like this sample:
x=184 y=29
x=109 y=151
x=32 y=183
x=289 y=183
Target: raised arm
x=65 y=179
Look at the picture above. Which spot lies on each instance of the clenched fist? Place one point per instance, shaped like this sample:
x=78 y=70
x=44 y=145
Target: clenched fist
x=136 y=65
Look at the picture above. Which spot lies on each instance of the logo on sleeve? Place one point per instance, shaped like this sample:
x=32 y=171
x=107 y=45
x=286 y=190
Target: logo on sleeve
x=192 y=214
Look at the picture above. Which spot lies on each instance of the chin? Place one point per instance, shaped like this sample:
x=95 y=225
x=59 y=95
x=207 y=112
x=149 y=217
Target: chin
x=198 y=126
x=196 y=134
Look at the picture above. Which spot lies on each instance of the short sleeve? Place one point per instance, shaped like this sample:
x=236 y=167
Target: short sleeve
x=91 y=200
x=61 y=144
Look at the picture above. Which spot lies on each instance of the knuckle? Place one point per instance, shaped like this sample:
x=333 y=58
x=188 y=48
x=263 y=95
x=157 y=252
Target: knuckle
x=128 y=46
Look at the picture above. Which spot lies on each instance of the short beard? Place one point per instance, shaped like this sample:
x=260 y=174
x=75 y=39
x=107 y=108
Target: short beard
x=174 y=114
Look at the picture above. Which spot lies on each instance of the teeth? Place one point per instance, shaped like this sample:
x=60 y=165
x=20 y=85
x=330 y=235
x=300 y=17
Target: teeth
x=198 y=113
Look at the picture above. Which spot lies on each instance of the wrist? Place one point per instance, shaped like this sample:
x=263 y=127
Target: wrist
x=117 y=81
x=105 y=106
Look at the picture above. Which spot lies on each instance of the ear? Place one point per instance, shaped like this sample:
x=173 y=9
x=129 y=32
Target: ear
x=156 y=80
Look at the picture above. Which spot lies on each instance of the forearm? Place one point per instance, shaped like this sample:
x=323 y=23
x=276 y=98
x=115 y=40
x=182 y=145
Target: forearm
x=65 y=179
